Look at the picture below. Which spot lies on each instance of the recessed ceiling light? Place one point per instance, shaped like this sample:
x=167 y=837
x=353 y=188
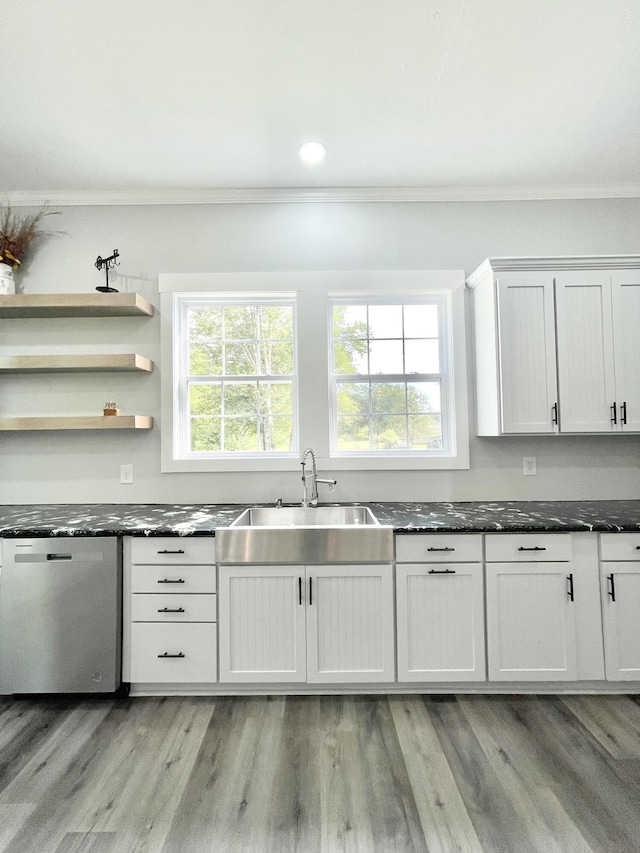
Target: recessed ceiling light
x=312 y=152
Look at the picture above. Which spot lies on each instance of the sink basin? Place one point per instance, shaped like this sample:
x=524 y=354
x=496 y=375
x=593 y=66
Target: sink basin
x=303 y=535
x=300 y=516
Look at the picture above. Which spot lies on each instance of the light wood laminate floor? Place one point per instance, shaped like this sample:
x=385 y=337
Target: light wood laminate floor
x=366 y=774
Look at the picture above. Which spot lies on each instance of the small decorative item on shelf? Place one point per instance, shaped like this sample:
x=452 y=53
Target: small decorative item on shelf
x=107 y=264
x=17 y=235
x=111 y=408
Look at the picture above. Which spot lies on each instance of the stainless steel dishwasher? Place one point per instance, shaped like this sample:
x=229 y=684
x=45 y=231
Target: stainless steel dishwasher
x=60 y=615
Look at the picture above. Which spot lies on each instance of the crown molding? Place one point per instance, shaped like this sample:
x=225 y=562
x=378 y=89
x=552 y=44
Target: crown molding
x=317 y=195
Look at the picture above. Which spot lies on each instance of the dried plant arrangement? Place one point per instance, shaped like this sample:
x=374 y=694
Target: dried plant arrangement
x=19 y=231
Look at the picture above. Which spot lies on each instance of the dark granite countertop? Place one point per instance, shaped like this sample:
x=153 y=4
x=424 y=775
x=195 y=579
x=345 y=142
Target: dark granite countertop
x=404 y=517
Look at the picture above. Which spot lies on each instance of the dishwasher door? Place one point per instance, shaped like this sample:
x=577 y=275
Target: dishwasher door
x=60 y=615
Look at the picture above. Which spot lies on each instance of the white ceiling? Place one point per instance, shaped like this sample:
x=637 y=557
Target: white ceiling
x=515 y=98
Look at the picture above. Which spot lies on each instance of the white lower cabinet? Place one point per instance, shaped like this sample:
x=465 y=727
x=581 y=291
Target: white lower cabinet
x=170 y=612
x=440 y=610
x=315 y=624
x=531 y=631
x=620 y=582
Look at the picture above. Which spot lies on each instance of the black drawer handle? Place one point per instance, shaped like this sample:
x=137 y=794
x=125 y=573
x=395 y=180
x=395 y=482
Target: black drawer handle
x=167 y=655
x=442 y=571
x=614 y=413
x=535 y=548
x=180 y=551
x=637 y=547
x=611 y=592
x=171 y=610
x=570 y=590
x=441 y=549
x=169 y=580
x=623 y=413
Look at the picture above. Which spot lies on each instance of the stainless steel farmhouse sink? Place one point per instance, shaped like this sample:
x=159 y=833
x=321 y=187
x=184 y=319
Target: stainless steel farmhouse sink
x=297 y=534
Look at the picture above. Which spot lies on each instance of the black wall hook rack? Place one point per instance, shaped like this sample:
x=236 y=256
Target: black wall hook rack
x=107 y=264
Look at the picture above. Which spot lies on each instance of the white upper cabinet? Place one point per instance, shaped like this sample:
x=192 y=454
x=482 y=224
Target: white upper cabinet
x=625 y=297
x=556 y=346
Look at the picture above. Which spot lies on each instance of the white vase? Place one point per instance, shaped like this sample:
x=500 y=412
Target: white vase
x=7 y=284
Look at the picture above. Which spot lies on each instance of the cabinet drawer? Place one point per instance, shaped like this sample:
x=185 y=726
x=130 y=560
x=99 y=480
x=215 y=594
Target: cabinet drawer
x=174 y=550
x=196 y=643
x=620 y=546
x=173 y=608
x=173 y=579
x=527 y=547
x=439 y=548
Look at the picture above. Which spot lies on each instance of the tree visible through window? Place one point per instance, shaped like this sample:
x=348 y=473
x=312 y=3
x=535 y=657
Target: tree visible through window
x=387 y=376
x=238 y=383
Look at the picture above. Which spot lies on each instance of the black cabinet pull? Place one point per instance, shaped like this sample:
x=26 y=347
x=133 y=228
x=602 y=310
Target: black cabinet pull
x=299 y=590
x=441 y=549
x=179 y=551
x=611 y=592
x=570 y=590
x=167 y=655
x=535 y=548
x=614 y=414
x=171 y=610
x=169 y=580
x=310 y=590
x=442 y=571
x=623 y=413
x=637 y=547
x=554 y=414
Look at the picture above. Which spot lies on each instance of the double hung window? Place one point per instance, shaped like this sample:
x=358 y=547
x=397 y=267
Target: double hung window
x=237 y=377
x=389 y=375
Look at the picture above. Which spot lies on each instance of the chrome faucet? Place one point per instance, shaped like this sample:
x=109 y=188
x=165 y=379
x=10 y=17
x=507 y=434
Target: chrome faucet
x=313 y=500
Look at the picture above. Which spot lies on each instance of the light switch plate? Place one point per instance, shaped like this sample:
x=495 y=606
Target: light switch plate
x=529 y=465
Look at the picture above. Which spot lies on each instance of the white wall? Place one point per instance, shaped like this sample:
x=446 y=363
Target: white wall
x=74 y=467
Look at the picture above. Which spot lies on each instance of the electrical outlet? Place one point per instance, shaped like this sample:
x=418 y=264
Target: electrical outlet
x=126 y=473
x=529 y=466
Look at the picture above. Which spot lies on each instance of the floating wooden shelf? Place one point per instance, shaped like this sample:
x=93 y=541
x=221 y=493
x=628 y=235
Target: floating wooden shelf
x=100 y=422
x=74 y=363
x=74 y=305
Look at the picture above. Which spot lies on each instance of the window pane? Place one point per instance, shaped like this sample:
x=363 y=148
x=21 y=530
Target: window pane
x=276 y=398
x=388 y=397
x=204 y=323
x=385 y=321
x=425 y=432
x=385 y=357
x=350 y=321
x=352 y=397
x=423 y=397
x=276 y=322
x=422 y=357
x=350 y=356
x=276 y=433
x=241 y=359
x=241 y=322
x=240 y=398
x=421 y=321
x=204 y=399
x=205 y=359
x=389 y=432
x=354 y=433
x=205 y=434
x=276 y=358
x=241 y=434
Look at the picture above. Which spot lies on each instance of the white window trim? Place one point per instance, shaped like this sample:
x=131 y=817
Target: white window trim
x=312 y=290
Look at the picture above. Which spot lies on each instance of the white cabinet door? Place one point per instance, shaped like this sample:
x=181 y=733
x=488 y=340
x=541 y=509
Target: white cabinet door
x=626 y=322
x=262 y=623
x=440 y=611
x=527 y=341
x=350 y=636
x=621 y=610
x=530 y=622
x=585 y=351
